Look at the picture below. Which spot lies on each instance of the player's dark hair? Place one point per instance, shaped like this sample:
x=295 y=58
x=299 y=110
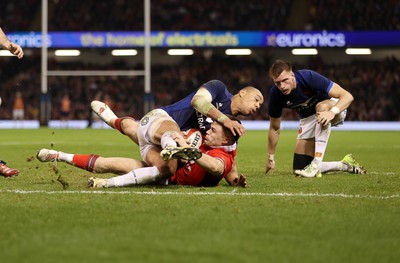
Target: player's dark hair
x=236 y=137
x=278 y=67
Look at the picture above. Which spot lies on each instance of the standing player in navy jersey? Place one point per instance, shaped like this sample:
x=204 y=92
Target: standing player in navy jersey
x=320 y=104
x=198 y=110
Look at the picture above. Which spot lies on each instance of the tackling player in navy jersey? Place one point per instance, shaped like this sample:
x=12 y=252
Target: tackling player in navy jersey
x=212 y=101
x=184 y=113
x=320 y=104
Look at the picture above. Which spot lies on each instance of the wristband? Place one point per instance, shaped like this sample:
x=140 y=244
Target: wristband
x=222 y=118
x=271 y=157
x=335 y=110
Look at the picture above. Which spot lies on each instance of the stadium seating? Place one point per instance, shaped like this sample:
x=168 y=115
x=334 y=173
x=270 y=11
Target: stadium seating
x=374 y=85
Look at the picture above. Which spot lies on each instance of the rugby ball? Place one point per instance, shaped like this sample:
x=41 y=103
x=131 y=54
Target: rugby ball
x=194 y=137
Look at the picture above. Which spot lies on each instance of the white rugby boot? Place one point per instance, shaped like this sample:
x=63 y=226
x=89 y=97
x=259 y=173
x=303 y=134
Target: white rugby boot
x=104 y=112
x=46 y=155
x=310 y=170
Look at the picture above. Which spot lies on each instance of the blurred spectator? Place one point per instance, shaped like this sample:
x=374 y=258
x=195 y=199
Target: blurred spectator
x=65 y=108
x=18 y=107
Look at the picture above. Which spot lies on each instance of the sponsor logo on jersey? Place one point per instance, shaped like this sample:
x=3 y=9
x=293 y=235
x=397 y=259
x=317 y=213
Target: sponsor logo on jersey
x=200 y=121
x=203 y=121
x=196 y=139
x=310 y=103
x=144 y=121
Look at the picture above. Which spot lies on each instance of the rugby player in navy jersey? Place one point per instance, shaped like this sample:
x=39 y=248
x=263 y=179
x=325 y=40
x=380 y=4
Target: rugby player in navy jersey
x=320 y=104
x=153 y=134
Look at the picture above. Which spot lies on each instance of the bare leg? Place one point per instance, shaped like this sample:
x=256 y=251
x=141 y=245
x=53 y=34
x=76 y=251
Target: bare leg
x=130 y=127
x=91 y=162
x=116 y=165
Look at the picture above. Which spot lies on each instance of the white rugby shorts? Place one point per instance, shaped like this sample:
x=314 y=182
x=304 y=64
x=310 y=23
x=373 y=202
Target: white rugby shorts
x=307 y=125
x=148 y=125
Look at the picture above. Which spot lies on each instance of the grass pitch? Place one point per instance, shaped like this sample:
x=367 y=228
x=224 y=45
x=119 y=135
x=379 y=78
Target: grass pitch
x=49 y=215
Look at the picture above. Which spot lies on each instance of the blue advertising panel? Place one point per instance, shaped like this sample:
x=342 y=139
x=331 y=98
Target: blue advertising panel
x=186 y=39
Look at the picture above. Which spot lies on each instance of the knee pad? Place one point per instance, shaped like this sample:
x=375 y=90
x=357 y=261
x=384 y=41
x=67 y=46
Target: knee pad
x=301 y=160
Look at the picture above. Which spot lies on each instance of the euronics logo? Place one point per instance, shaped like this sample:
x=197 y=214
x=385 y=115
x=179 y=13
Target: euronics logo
x=323 y=39
x=31 y=39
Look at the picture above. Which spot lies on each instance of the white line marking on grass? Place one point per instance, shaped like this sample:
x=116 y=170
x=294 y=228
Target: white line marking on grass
x=232 y=193
x=388 y=173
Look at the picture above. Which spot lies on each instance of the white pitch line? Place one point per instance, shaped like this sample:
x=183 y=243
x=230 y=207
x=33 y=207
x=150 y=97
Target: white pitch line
x=232 y=193
x=388 y=173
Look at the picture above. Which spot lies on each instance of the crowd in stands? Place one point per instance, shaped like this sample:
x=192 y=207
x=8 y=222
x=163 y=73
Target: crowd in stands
x=172 y=15
x=19 y=15
x=169 y=15
x=354 y=15
x=374 y=85
x=221 y=15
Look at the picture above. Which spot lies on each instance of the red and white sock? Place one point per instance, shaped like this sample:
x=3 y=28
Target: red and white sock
x=84 y=161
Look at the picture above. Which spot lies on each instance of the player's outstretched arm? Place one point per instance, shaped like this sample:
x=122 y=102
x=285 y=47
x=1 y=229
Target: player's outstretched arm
x=273 y=138
x=10 y=46
x=234 y=179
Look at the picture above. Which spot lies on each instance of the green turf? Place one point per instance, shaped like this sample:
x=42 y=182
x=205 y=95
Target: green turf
x=279 y=218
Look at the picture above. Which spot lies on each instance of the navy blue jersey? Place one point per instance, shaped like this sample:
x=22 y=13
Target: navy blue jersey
x=311 y=88
x=187 y=117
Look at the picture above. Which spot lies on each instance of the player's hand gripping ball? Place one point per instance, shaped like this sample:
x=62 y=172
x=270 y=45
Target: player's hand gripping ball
x=193 y=137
